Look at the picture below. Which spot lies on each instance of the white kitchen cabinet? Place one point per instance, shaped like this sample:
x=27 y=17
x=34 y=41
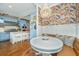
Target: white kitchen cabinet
x=1 y=29
x=25 y=36
x=18 y=36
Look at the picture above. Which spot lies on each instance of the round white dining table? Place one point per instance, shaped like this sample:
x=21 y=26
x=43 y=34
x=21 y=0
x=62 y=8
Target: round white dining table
x=46 y=45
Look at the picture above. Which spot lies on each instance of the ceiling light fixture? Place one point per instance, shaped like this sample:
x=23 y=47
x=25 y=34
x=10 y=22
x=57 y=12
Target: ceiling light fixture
x=45 y=11
x=10 y=6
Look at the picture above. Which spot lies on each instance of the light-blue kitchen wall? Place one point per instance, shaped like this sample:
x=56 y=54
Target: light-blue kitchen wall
x=33 y=32
x=5 y=35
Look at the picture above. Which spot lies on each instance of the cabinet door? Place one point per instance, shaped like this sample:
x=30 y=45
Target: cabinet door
x=25 y=35
x=18 y=37
x=15 y=37
x=4 y=36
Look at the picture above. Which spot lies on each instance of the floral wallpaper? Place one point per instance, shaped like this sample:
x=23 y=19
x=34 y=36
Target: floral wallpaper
x=64 y=13
x=77 y=14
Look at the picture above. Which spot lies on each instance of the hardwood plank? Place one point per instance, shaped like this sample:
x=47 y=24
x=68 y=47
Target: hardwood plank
x=18 y=49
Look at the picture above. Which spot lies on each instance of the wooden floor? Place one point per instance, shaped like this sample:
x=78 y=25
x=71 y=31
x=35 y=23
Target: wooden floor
x=18 y=49
x=24 y=49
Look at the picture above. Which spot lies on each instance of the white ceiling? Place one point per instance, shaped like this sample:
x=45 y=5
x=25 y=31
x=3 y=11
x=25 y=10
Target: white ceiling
x=48 y=4
x=17 y=9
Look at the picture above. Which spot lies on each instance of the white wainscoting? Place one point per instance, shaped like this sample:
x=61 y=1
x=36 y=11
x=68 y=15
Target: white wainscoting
x=66 y=29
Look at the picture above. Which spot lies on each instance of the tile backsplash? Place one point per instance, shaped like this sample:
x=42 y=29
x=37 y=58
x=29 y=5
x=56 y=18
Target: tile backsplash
x=64 y=13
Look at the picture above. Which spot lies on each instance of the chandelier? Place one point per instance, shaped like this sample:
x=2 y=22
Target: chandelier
x=45 y=11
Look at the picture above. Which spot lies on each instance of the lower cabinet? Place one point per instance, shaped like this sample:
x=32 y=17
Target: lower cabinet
x=4 y=36
x=18 y=36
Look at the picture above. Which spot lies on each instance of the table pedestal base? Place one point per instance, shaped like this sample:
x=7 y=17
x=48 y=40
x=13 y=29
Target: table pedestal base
x=45 y=54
